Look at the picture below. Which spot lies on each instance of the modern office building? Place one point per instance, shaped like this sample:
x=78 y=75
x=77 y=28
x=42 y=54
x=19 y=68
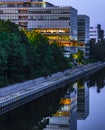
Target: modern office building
x=83 y=33
x=57 y=23
x=83 y=28
x=102 y=35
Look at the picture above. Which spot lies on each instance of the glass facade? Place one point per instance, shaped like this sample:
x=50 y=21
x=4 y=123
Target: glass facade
x=83 y=28
x=83 y=33
x=57 y=23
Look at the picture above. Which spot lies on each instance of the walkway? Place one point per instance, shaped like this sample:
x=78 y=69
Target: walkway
x=16 y=95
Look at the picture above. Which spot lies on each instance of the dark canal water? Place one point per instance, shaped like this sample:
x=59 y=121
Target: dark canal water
x=77 y=106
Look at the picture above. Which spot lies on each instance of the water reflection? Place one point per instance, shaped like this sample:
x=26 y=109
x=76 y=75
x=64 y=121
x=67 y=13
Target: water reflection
x=83 y=100
x=31 y=115
x=63 y=108
x=97 y=79
x=66 y=116
x=96 y=117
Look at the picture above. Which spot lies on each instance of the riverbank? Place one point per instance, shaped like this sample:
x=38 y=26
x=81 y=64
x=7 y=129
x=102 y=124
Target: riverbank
x=16 y=95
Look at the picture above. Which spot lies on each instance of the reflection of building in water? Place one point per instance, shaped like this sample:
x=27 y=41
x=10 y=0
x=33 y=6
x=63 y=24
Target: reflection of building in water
x=82 y=100
x=66 y=116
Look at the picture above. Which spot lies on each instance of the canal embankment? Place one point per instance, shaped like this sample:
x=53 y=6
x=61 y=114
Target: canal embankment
x=18 y=94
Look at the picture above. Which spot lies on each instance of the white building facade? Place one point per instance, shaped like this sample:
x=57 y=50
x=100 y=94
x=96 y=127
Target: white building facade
x=94 y=34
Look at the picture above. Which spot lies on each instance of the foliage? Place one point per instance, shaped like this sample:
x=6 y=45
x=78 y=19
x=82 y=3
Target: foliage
x=45 y=58
x=77 y=58
x=97 y=51
x=27 y=54
x=13 y=58
x=80 y=55
x=8 y=26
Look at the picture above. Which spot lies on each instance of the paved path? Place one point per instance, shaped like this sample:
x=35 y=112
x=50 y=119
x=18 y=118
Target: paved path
x=17 y=93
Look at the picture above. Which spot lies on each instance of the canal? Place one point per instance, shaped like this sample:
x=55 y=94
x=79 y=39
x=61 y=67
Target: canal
x=77 y=106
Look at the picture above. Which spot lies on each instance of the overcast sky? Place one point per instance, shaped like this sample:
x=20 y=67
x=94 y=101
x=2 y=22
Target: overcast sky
x=95 y=9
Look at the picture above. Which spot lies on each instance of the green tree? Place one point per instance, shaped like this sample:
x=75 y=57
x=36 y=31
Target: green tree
x=8 y=26
x=49 y=58
x=38 y=53
x=80 y=55
x=14 y=57
x=27 y=54
x=97 y=51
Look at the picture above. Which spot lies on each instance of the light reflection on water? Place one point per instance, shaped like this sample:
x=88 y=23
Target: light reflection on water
x=66 y=116
x=60 y=109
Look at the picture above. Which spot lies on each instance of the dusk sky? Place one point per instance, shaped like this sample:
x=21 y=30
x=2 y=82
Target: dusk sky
x=95 y=9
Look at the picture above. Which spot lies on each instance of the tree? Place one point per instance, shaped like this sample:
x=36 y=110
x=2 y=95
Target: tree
x=49 y=58
x=97 y=51
x=80 y=55
x=27 y=55
x=13 y=57
x=8 y=26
